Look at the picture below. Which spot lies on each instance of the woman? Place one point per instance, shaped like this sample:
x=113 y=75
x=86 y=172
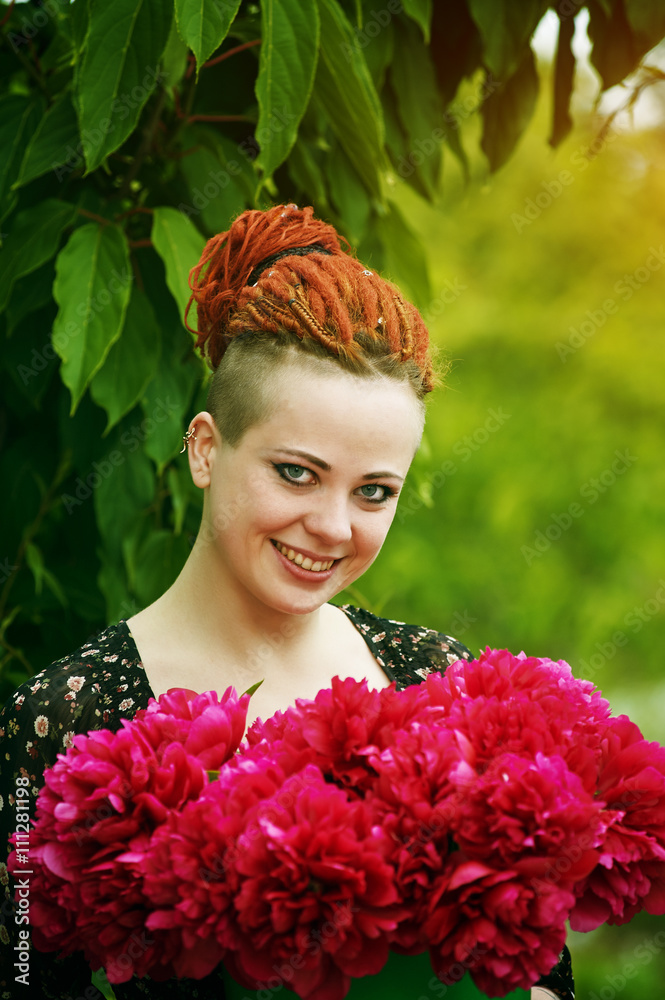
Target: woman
x=315 y=411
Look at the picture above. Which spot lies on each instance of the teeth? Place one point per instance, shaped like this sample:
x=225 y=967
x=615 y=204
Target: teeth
x=304 y=561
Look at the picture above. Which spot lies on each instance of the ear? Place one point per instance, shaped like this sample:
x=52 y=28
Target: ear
x=205 y=438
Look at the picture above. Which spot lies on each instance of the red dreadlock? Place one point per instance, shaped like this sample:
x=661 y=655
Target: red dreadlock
x=284 y=269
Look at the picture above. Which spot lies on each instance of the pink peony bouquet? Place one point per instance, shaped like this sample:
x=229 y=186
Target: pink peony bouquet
x=472 y=815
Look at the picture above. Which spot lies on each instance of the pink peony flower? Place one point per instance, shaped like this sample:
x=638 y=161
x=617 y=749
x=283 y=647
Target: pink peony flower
x=101 y=801
x=630 y=875
x=411 y=800
x=494 y=924
x=189 y=864
x=502 y=703
x=532 y=811
x=314 y=883
x=210 y=728
x=338 y=731
x=468 y=816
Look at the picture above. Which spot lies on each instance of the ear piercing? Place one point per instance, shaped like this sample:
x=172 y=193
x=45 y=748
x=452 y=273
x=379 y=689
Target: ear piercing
x=189 y=436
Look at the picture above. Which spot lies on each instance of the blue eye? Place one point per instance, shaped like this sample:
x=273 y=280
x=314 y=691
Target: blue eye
x=373 y=486
x=291 y=477
x=288 y=472
x=388 y=492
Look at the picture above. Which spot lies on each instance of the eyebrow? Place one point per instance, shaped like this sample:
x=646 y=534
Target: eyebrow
x=328 y=468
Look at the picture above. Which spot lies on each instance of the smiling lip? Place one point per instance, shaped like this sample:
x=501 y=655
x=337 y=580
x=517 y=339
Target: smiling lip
x=307 y=575
x=314 y=556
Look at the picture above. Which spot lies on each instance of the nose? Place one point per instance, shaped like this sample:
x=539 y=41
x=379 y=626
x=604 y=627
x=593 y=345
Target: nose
x=329 y=519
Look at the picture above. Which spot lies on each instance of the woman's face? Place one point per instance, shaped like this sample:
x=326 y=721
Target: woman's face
x=320 y=479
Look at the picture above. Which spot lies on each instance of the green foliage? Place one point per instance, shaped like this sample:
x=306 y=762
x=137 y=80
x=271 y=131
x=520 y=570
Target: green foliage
x=203 y=26
x=133 y=131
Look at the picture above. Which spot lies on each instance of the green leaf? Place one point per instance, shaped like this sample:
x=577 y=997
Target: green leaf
x=119 y=71
x=287 y=61
x=79 y=22
x=346 y=92
x=404 y=255
x=35 y=562
x=179 y=497
x=419 y=107
x=19 y=117
x=92 y=287
x=647 y=19
x=308 y=174
x=165 y=403
x=564 y=75
x=507 y=112
x=216 y=189
x=29 y=294
x=253 y=688
x=506 y=27
x=457 y=48
x=421 y=12
x=204 y=24
x=42 y=575
x=53 y=143
x=33 y=239
x=121 y=381
x=378 y=43
x=348 y=194
x=614 y=51
x=122 y=497
x=174 y=58
x=179 y=243
x=157 y=563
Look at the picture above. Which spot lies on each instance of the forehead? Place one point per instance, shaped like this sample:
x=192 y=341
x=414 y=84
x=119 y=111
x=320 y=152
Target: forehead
x=341 y=412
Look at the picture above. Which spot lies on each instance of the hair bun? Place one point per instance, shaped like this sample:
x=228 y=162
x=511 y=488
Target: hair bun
x=235 y=259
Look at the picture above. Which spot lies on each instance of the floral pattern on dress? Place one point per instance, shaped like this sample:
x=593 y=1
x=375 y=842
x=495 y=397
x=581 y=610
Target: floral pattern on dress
x=88 y=690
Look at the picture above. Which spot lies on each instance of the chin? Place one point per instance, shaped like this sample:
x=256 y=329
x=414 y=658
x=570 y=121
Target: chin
x=297 y=604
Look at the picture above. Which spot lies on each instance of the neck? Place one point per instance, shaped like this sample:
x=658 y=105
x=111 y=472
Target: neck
x=204 y=601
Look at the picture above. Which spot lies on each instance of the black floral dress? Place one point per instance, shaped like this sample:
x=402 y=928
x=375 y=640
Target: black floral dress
x=94 y=688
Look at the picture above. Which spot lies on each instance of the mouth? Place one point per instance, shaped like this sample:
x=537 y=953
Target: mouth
x=305 y=562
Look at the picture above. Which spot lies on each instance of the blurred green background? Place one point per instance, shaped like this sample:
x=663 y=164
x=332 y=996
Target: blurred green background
x=530 y=424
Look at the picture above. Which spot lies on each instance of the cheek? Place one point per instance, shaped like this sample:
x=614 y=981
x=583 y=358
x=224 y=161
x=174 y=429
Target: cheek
x=373 y=534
